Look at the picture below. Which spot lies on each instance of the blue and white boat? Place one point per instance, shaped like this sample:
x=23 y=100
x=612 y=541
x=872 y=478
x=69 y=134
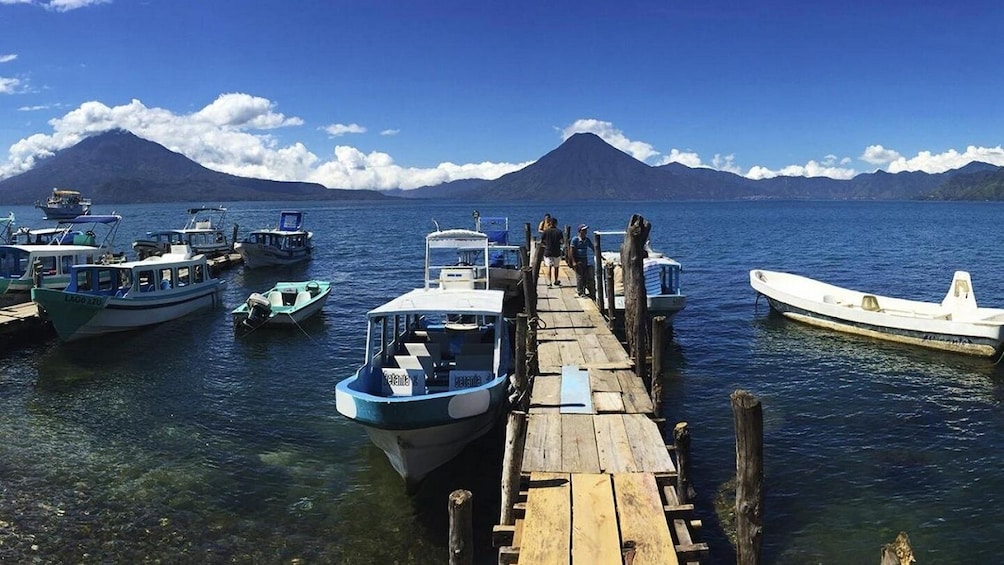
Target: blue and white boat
x=286 y=244
x=64 y=205
x=285 y=304
x=664 y=296
x=204 y=233
x=437 y=363
x=504 y=259
x=101 y=299
x=45 y=256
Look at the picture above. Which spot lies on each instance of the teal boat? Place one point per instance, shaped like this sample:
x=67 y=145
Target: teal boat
x=285 y=304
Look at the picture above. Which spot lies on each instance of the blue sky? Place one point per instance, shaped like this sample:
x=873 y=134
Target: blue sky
x=385 y=94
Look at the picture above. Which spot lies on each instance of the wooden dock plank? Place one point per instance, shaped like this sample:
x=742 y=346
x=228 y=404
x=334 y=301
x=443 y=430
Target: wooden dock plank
x=570 y=352
x=604 y=380
x=636 y=399
x=547 y=527
x=648 y=445
x=595 y=536
x=591 y=350
x=542 y=449
x=546 y=393
x=608 y=402
x=548 y=357
x=613 y=445
x=578 y=444
x=642 y=520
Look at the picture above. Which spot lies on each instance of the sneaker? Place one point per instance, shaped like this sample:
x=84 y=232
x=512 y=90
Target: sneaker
x=548 y=285
x=557 y=283
x=579 y=295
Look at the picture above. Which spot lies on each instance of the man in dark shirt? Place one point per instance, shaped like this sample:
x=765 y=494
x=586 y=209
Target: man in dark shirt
x=551 y=240
x=582 y=247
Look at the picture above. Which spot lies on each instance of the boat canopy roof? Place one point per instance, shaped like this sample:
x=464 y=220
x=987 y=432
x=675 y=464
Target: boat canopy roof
x=452 y=301
x=220 y=209
x=290 y=220
x=64 y=192
x=456 y=239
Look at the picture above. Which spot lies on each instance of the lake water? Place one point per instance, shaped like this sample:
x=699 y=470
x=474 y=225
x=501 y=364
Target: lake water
x=184 y=444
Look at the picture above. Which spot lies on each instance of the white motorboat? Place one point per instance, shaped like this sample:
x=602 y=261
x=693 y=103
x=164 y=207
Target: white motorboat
x=64 y=204
x=286 y=244
x=955 y=324
x=203 y=233
x=663 y=293
x=285 y=304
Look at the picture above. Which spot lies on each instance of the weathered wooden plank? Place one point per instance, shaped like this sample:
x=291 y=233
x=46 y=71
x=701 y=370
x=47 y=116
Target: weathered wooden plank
x=546 y=394
x=642 y=520
x=571 y=353
x=542 y=451
x=608 y=402
x=613 y=444
x=590 y=345
x=548 y=357
x=547 y=528
x=595 y=537
x=648 y=445
x=578 y=444
x=613 y=348
x=603 y=380
x=636 y=399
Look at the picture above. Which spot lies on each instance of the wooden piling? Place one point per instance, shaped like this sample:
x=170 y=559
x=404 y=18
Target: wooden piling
x=635 y=297
x=748 y=418
x=658 y=334
x=461 y=528
x=527 y=236
x=898 y=552
x=233 y=239
x=681 y=446
x=609 y=287
x=522 y=400
x=598 y=272
x=512 y=463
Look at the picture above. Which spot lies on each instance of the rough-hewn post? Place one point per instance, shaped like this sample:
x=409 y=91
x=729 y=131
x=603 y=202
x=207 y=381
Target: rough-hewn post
x=538 y=257
x=681 y=445
x=461 y=529
x=530 y=298
x=598 y=273
x=522 y=395
x=527 y=236
x=611 y=300
x=898 y=552
x=635 y=297
x=658 y=333
x=233 y=239
x=512 y=463
x=748 y=417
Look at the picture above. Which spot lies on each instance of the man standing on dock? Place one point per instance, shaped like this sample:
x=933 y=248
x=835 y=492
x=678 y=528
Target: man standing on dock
x=581 y=248
x=551 y=240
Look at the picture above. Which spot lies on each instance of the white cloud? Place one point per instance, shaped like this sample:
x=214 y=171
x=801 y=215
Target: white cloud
x=726 y=163
x=338 y=130
x=878 y=155
x=58 y=5
x=951 y=159
x=231 y=135
x=390 y=132
x=8 y=57
x=9 y=85
x=607 y=132
x=688 y=158
x=35 y=108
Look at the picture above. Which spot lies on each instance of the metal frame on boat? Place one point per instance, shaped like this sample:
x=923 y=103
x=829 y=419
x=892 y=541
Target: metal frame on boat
x=955 y=324
x=662 y=280
x=286 y=244
x=203 y=233
x=64 y=204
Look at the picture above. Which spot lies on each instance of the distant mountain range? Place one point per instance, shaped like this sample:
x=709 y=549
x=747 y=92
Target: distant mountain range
x=117 y=167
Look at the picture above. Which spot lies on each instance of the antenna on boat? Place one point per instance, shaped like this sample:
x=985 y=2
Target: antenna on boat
x=437 y=224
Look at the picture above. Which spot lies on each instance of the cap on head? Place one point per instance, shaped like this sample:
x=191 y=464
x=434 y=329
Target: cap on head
x=583 y=227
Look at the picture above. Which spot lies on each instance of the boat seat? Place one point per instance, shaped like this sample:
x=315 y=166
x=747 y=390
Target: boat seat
x=431 y=350
x=275 y=298
x=302 y=297
x=423 y=363
x=474 y=362
x=870 y=303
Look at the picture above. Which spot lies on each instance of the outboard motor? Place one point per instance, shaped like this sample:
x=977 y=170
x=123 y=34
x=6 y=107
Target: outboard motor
x=259 y=310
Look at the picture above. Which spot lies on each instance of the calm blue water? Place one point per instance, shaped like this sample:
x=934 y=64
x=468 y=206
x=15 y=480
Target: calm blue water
x=184 y=444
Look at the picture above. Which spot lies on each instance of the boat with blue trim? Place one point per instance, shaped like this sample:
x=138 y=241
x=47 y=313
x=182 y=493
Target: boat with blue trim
x=955 y=324
x=64 y=204
x=285 y=304
x=437 y=362
x=101 y=299
x=204 y=233
x=286 y=244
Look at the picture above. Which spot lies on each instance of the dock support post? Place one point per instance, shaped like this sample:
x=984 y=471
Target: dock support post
x=522 y=382
x=598 y=296
x=635 y=297
x=530 y=297
x=681 y=445
x=461 y=528
x=233 y=239
x=898 y=552
x=527 y=236
x=658 y=334
x=748 y=418
x=609 y=288
x=512 y=463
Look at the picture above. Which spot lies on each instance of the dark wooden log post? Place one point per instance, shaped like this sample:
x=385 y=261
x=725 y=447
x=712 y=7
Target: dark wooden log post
x=461 y=529
x=538 y=257
x=530 y=303
x=522 y=382
x=611 y=303
x=527 y=236
x=512 y=463
x=748 y=418
x=635 y=297
x=233 y=239
x=658 y=334
x=681 y=445
x=898 y=552
x=598 y=272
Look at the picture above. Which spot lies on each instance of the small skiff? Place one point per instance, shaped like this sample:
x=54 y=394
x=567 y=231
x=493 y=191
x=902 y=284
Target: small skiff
x=286 y=304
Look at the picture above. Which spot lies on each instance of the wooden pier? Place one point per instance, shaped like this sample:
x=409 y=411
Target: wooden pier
x=597 y=483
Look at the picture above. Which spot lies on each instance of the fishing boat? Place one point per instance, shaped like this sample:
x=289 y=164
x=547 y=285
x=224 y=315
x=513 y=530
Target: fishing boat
x=437 y=363
x=286 y=244
x=663 y=293
x=203 y=232
x=7 y=229
x=286 y=304
x=955 y=324
x=64 y=204
x=44 y=257
x=504 y=260
x=102 y=299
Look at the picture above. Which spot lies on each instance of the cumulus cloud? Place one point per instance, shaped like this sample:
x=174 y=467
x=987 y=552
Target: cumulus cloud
x=948 y=160
x=878 y=155
x=813 y=168
x=338 y=130
x=8 y=57
x=615 y=137
x=390 y=132
x=688 y=158
x=9 y=85
x=233 y=134
x=58 y=5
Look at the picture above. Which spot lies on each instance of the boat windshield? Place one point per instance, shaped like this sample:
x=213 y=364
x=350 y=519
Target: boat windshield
x=100 y=279
x=13 y=261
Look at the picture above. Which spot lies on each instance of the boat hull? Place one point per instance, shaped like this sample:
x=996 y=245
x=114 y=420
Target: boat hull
x=287 y=315
x=922 y=324
x=258 y=256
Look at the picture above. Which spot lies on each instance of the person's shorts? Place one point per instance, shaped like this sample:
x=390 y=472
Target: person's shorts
x=550 y=261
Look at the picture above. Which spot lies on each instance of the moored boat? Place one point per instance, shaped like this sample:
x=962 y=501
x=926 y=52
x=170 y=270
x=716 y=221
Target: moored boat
x=437 y=364
x=64 y=204
x=44 y=257
x=101 y=299
x=664 y=296
x=955 y=324
x=286 y=244
x=285 y=304
x=203 y=232
x=504 y=260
